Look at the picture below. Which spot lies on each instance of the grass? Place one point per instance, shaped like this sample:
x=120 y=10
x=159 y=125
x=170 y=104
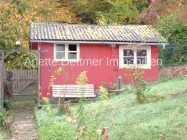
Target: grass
x=3 y=133
x=128 y=120
x=1 y=136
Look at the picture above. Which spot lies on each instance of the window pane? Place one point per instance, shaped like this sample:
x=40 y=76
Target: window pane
x=128 y=53
x=60 y=47
x=72 y=55
x=128 y=56
x=60 y=55
x=141 y=56
x=72 y=47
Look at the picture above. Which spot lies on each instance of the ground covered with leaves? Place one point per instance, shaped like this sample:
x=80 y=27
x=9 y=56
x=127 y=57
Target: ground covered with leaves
x=120 y=117
x=174 y=71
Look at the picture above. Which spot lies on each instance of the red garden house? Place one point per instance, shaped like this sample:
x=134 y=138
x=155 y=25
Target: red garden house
x=101 y=50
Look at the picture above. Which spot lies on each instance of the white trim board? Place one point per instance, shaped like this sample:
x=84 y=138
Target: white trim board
x=99 y=42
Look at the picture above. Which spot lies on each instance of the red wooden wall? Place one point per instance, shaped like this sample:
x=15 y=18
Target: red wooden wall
x=96 y=74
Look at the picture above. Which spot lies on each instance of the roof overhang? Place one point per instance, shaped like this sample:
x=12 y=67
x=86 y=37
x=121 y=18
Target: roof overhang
x=100 y=42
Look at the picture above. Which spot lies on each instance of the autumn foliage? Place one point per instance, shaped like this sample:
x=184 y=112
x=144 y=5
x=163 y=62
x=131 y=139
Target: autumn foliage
x=16 y=15
x=163 y=8
x=15 y=18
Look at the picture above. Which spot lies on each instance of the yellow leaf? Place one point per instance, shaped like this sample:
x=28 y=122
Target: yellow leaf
x=68 y=119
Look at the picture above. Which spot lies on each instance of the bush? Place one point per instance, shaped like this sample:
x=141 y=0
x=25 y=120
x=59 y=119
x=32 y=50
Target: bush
x=2 y=117
x=7 y=103
x=175 y=31
x=6 y=118
x=173 y=55
x=103 y=92
x=136 y=75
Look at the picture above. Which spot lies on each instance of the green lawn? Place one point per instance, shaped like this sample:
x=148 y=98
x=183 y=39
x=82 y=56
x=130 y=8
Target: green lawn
x=129 y=120
x=1 y=136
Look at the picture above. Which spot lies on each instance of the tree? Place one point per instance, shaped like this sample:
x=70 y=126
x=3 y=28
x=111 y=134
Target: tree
x=175 y=31
x=16 y=15
x=109 y=11
x=169 y=18
x=123 y=12
x=161 y=8
x=87 y=9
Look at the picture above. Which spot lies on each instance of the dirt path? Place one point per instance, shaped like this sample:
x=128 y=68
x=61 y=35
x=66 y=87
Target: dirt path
x=23 y=127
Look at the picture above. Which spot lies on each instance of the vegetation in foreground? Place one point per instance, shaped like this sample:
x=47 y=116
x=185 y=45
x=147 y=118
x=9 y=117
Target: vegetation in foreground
x=122 y=117
x=6 y=118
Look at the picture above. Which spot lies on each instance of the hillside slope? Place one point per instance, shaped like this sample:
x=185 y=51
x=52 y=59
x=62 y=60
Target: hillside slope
x=165 y=119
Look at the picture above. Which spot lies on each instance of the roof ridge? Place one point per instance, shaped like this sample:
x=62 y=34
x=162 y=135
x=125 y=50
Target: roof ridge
x=61 y=23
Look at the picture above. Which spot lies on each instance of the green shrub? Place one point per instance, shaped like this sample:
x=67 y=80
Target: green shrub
x=2 y=117
x=7 y=103
x=137 y=76
x=6 y=118
x=1 y=137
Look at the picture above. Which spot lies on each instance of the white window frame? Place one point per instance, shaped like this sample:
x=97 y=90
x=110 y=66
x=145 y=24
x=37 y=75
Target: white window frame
x=66 y=52
x=135 y=48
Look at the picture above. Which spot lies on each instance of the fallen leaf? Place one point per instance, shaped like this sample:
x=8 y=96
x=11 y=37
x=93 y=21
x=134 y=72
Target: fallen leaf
x=161 y=135
x=68 y=119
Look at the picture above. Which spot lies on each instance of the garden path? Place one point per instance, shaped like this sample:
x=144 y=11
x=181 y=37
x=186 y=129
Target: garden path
x=24 y=127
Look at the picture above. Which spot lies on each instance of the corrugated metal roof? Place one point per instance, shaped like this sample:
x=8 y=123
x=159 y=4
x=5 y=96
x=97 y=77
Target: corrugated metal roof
x=104 y=33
